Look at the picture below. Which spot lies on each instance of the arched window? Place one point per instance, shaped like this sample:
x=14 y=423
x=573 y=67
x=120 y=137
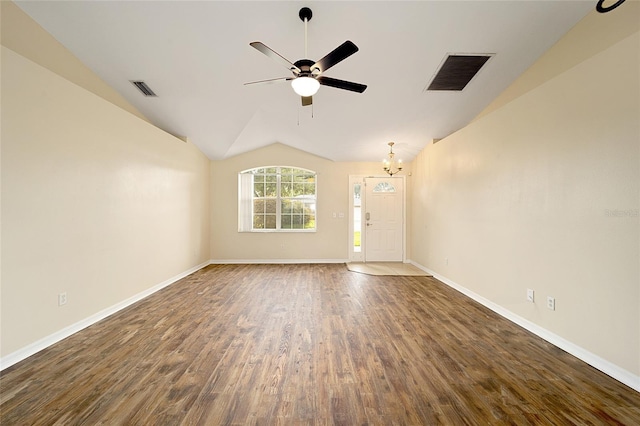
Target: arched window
x=384 y=187
x=276 y=198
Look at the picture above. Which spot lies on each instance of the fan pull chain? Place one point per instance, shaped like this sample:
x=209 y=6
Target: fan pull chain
x=300 y=108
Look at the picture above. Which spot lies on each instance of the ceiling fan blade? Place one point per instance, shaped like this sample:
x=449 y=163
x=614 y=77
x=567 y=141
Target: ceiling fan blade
x=340 y=53
x=341 y=84
x=307 y=100
x=270 y=80
x=274 y=55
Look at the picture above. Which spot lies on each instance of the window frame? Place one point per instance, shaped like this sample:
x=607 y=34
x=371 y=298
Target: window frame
x=246 y=203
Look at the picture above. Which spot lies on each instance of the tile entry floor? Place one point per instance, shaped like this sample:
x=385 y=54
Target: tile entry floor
x=386 y=268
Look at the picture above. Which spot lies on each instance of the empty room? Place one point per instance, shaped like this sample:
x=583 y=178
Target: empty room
x=316 y=213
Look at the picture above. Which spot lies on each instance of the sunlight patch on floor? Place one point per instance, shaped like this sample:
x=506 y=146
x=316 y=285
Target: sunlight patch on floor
x=387 y=268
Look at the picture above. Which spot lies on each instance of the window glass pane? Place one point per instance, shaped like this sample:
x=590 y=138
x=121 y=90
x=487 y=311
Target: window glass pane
x=258 y=189
x=310 y=189
x=310 y=207
x=310 y=214
x=310 y=221
x=270 y=221
x=286 y=190
x=258 y=222
x=270 y=206
x=271 y=189
x=271 y=170
x=384 y=187
x=298 y=189
x=286 y=221
x=357 y=219
x=258 y=206
x=286 y=207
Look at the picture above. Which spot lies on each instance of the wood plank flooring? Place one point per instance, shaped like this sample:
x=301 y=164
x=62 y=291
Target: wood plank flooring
x=308 y=345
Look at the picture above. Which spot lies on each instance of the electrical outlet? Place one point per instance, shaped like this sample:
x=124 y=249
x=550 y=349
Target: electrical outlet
x=62 y=299
x=446 y=261
x=530 y=295
x=551 y=303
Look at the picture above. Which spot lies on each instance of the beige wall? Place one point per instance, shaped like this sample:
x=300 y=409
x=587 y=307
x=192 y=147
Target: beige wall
x=23 y=35
x=594 y=34
x=329 y=243
x=542 y=192
x=96 y=203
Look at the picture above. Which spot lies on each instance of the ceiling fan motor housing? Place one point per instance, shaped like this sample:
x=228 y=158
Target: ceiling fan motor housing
x=304 y=65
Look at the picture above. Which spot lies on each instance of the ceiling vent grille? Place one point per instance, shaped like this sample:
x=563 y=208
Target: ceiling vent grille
x=457 y=71
x=142 y=86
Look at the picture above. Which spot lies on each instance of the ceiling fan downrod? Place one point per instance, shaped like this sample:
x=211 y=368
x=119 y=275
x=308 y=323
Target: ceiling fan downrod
x=305 y=15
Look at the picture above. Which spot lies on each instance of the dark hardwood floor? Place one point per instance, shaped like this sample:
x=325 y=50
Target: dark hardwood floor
x=308 y=344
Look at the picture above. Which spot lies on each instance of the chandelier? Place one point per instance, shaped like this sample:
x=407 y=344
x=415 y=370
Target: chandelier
x=390 y=165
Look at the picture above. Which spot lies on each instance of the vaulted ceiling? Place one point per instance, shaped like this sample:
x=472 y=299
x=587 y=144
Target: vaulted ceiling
x=196 y=57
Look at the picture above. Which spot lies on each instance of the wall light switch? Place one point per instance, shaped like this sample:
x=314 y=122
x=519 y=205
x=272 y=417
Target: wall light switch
x=530 y=295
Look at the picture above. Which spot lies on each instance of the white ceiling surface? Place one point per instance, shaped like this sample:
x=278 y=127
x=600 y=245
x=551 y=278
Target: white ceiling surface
x=196 y=57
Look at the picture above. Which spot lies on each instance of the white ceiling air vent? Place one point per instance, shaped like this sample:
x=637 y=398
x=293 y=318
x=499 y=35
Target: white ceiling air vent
x=142 y=86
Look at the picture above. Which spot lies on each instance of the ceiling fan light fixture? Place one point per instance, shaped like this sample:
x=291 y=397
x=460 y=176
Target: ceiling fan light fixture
x=305 y=86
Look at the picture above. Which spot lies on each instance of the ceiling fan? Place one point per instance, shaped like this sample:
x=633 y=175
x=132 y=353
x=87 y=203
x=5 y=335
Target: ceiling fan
x=307 y=74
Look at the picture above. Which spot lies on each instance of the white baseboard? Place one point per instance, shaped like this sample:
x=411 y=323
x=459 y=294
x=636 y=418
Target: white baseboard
x=273 y=261
x=618 y=373
x=45 y=342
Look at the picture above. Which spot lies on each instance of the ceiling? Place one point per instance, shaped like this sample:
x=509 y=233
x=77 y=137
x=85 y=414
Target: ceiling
x=196 y=57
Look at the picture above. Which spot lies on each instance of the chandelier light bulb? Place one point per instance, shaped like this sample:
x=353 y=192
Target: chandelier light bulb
x=305 y=86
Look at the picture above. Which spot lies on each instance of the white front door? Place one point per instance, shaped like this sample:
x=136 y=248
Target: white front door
x=383 y=219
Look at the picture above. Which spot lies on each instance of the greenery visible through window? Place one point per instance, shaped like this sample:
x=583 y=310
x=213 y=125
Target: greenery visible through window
x=280 y=199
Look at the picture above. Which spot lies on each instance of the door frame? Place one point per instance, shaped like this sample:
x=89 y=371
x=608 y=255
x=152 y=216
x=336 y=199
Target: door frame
x=355 y=179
